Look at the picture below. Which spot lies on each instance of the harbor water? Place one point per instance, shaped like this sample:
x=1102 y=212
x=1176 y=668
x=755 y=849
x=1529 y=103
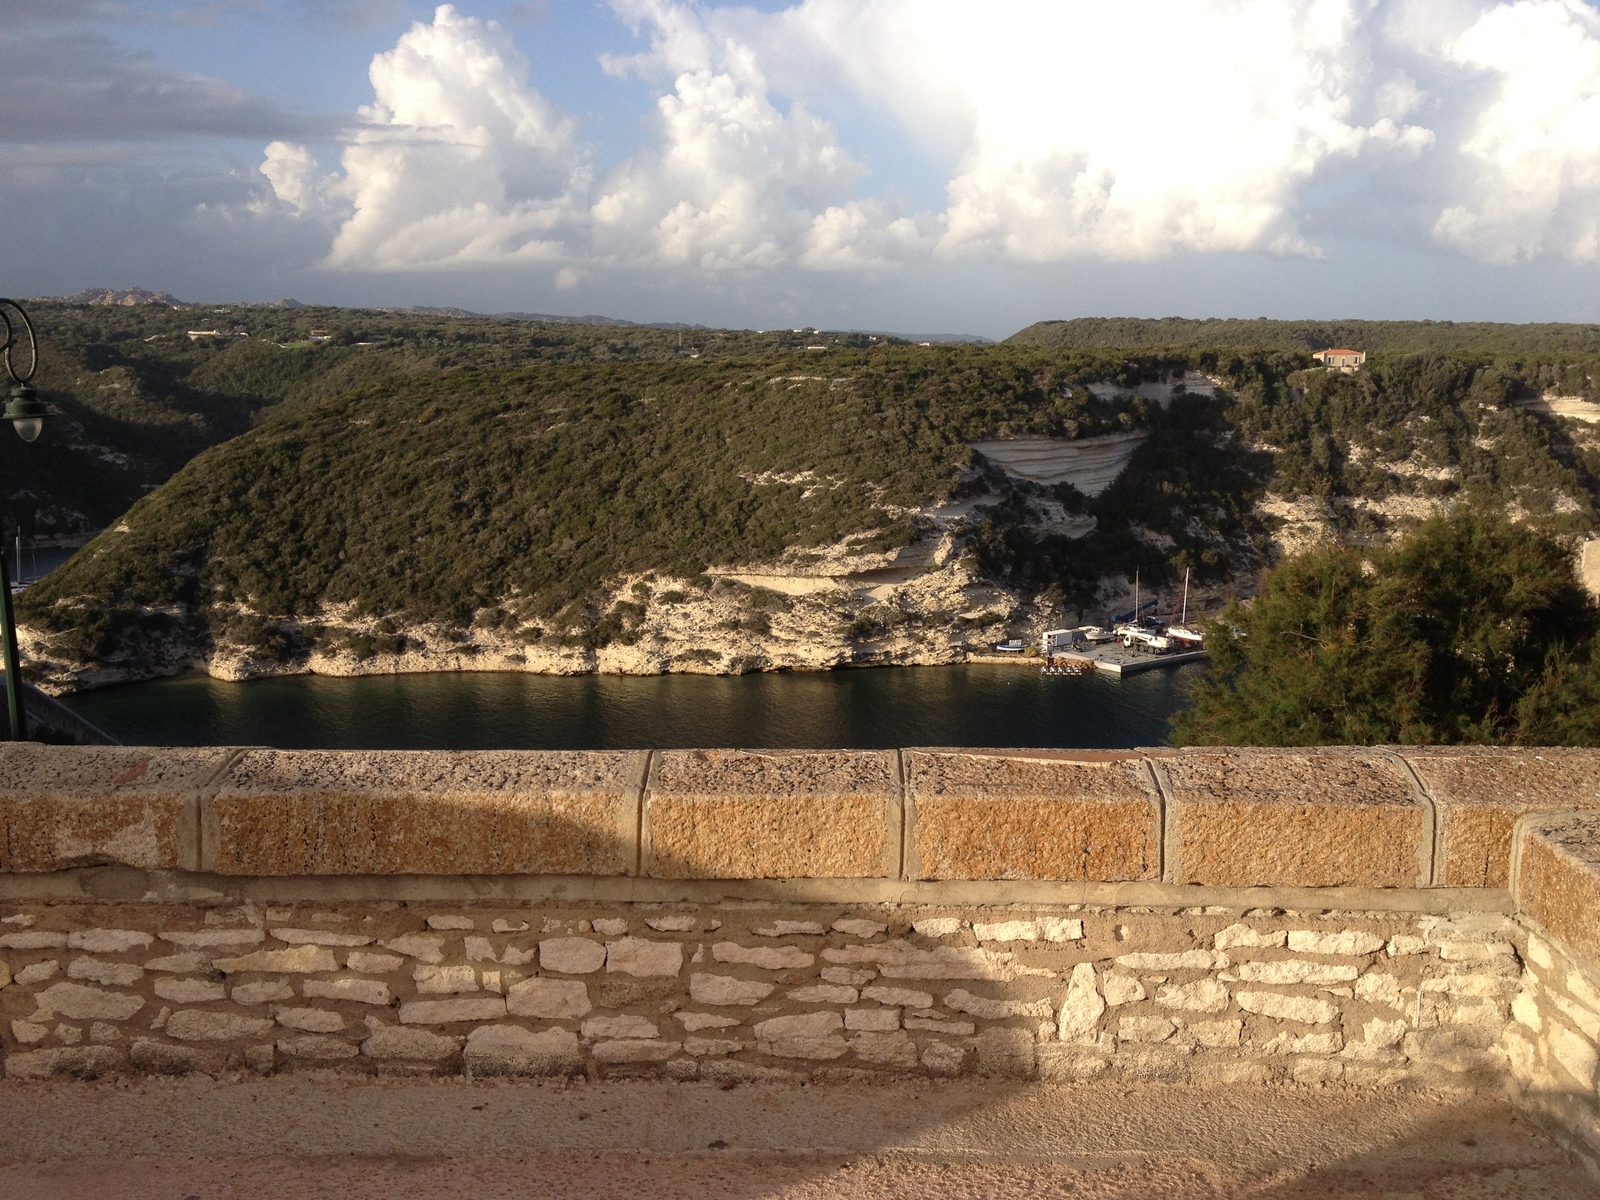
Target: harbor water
x=971 y=705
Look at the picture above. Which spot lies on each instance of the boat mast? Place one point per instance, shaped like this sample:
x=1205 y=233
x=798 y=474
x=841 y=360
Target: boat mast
x=1186 y=597
x=1136 y=595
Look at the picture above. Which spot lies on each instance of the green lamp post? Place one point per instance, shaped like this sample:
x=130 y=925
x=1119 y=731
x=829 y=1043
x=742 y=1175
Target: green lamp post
x=26 y=412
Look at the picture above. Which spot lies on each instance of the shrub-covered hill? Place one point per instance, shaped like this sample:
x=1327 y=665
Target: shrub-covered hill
x=1394 y=337
x=570 y=501
x=521 y=496
x=134 y=396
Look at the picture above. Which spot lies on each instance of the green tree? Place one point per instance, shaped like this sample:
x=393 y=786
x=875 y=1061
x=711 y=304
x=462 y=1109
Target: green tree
x=1471 y=630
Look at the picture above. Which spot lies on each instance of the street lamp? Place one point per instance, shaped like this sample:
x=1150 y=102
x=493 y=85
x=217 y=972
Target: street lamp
x=26 y=412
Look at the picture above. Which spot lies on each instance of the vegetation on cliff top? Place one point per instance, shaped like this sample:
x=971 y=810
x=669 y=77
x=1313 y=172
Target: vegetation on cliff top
x=431 y=496
x=1391 y=337
x=135 y=397
x=424 y=467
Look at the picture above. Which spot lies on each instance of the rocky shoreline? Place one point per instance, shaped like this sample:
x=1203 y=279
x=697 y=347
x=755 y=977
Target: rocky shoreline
x=718 y=627
x=810 y=609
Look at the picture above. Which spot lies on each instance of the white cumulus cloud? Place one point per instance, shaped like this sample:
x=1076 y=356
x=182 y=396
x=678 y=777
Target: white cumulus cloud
x=1075 y=129
x=291 y=169
x=1123 y=131
x=1062 y=130
x=1203 y=145
x=734 y=181
x=461 y=162
x=1532 y=158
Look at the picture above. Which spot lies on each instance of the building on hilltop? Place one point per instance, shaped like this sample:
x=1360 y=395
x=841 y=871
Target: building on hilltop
x=1341 y=359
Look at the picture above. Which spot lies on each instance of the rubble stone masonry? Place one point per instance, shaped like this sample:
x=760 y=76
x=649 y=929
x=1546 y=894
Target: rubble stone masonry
x=1381 y=917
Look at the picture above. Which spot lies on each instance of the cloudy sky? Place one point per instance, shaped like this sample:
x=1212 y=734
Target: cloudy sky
x=911 y=165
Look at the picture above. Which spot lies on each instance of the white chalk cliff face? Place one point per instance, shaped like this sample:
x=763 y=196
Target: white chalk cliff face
x=1574 y=407
x=1089 y=464
x=936 y=610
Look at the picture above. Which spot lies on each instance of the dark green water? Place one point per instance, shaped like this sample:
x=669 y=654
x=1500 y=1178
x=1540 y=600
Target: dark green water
x=858 y=709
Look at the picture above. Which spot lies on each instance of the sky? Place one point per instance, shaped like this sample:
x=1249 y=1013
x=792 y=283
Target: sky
x=917 y=166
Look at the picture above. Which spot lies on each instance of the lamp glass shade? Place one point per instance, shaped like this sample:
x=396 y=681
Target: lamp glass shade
x=26 y=412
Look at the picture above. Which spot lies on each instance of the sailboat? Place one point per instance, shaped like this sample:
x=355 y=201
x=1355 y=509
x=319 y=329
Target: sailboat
x=1139 y=630
x=1190 y=638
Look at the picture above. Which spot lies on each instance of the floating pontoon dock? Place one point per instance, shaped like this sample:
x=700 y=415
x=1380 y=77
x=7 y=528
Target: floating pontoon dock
x=1112 y=659
x=1117 y=661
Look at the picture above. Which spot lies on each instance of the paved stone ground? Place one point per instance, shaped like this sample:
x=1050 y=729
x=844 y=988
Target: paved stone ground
x=288 y=1136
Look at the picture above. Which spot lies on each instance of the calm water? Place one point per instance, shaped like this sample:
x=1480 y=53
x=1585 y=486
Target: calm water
x=859 y=709
x=36 y=564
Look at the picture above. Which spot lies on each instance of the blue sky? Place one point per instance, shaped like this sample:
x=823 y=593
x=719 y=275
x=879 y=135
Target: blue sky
x=911 y=165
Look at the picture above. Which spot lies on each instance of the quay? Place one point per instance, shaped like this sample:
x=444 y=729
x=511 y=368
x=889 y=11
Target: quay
x=1114 y=660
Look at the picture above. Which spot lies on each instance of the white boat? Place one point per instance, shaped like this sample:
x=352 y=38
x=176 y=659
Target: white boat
x=1191 y=638
x=1014 y=646
x=1139 y=635
x=1080 y=666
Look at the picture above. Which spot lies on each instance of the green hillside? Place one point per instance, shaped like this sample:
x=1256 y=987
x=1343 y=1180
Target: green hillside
x=1393 y=337
x=134 y=397
x=417 y=468
x=431 y=496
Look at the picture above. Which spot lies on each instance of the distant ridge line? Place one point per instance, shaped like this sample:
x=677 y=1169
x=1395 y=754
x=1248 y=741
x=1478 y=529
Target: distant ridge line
x=437 y=310
x=129 y=297
x=1262 y=333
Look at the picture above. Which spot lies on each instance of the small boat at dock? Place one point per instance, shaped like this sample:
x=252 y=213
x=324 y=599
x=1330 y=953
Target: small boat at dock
x=1068 y=666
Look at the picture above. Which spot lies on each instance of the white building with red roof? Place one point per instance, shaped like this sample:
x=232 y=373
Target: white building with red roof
x=1341 y=359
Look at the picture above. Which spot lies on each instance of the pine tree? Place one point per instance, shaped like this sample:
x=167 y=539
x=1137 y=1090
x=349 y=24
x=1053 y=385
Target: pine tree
x=1471 y=630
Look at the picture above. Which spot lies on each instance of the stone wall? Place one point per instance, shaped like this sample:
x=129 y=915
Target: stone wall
x=755 y=990
x=1220 y=818
x=1554 y=1042
x=1416 y=917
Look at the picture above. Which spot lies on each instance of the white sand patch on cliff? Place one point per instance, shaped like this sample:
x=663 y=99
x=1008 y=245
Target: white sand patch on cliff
x=1088 y=464
x=1575 y=407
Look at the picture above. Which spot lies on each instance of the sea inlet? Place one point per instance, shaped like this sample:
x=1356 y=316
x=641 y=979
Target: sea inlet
x=865 y=709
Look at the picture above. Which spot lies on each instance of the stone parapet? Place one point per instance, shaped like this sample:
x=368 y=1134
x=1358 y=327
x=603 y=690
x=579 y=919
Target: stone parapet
x=1309 y=818
x=73 y=806
x=1031 y=815
x=1230 y=818
x=734 y=814
x=1557 y=878
x=1554 y=1043
x=276 y=812
x=1481 y=792
x=1389 y=915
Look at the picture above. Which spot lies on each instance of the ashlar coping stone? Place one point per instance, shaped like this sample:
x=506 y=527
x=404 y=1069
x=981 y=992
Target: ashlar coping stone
x=282 y=812
x=1558 y=877
x=1293 y=818
x=1480 y=792
x=1031 y=814
x=78 y=806
x=734 y=814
